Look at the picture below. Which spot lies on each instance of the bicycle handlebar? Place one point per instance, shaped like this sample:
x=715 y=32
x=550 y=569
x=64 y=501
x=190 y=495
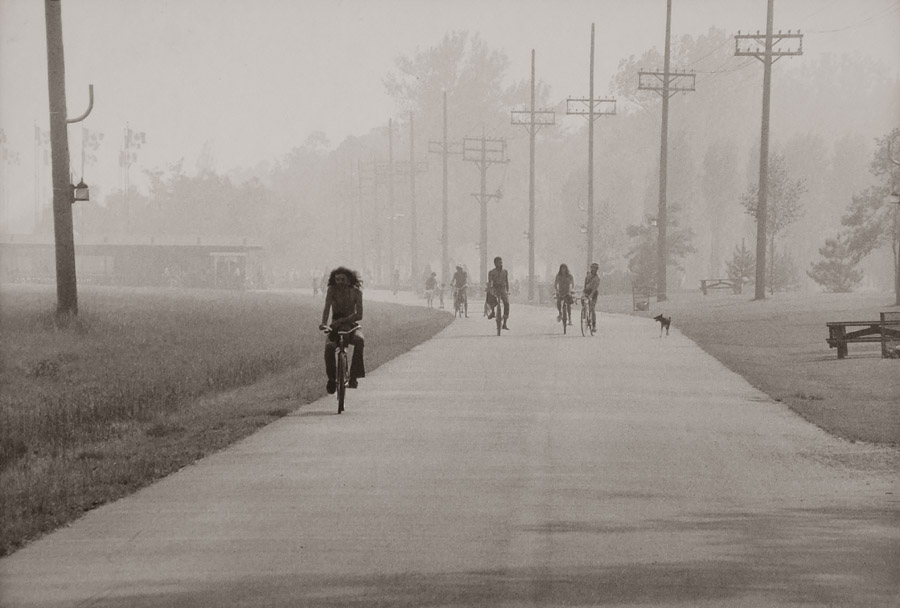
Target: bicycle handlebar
x=327 y=330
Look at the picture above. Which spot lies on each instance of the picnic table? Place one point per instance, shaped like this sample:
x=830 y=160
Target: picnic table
x=707 y=284
x=884 y=331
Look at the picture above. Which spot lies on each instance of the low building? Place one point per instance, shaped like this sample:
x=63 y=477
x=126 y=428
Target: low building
x=198 y=262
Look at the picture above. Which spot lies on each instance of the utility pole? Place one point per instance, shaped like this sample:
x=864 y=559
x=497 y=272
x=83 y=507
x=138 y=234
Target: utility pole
x=413 y=168
x=391 y=195
x=534 y=121
x=7 y=159
x=131 y=143
x=484 y=153
x=413 y=238
x=389 y=171
x=362 y=220
x=63 y=190
x=595 y=109
x=445 y=148
x=768 y=55
x=666 y=83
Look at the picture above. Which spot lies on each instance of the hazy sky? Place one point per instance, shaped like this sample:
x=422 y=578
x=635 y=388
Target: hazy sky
x=254 y=77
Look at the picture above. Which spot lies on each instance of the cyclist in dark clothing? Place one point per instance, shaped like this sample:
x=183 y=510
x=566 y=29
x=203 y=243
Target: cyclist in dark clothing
x=498 y=286
x=343 y=299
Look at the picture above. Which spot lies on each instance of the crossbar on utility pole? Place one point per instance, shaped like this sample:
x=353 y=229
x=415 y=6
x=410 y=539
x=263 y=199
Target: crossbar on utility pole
x=445 y=148
x=532 y=120
x=768 y=55
x=592 y=108
x=666 y=83
x=484 y=153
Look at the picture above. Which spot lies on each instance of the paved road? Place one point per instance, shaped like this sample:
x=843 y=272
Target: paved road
x=533 y=469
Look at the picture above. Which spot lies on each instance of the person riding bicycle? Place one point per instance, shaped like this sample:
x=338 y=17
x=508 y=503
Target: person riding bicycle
x=430 y=285
x=592 y=291
x=459 y=283
x=564 y=285
x=343 y=299
x=498 y=287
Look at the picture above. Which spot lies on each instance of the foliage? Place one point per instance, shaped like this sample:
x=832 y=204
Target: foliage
x=642 y=257
x=783 y=273
x=783 y=206
x=871 y=222
x=742 y=265
x=837 y=272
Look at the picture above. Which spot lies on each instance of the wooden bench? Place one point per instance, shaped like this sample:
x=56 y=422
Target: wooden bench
x=883 y=331
x=707 y=284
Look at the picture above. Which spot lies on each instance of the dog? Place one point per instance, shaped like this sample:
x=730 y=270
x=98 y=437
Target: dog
x=664 y=323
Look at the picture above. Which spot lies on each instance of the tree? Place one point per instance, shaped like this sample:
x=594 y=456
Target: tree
x=837 y=272
x=784 y=207
x=741 y=268
x=719 y=185
x=642 y=256
x=871 y=222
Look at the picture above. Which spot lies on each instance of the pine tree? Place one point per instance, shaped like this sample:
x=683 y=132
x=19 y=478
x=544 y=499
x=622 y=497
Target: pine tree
x=742 y=267
x=837 y=272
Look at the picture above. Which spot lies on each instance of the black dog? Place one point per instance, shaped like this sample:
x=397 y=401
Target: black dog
x=664 y=323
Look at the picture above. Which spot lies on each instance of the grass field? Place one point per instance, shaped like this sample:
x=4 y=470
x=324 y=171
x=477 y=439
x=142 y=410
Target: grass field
x=778 y=345
x=144 y=382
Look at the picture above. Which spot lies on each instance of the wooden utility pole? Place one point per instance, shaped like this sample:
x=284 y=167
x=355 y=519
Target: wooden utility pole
x=768 y=55
x=413 y=229
x=63 y=191
x=594 y=110
x=534 y=121
x=666 y=84
x=391 y=197
x=484 y=153
x=445 y=148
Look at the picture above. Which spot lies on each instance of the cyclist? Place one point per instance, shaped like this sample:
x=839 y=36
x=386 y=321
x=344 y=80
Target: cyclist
x=343 y=299
x=430 y=285
x=498 y=286
x=592 y=291
x=459 y=283
x=564 y=285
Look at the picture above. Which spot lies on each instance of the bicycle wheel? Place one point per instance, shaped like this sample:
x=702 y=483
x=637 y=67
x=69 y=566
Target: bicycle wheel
x=565 y=316
x=341 y=379
x=593 y=322
x=583 y=317
x=465 y=306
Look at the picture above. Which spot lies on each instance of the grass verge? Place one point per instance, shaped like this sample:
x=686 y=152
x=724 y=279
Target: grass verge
x=778 y=345
x=143 y=382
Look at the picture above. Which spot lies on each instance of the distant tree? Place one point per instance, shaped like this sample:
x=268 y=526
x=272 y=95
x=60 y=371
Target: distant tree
x=784 y=274
x=642 y=257
x=741 y=267
x=871 y=221
x=783 y=208
x=837 y=272
x=718 y=186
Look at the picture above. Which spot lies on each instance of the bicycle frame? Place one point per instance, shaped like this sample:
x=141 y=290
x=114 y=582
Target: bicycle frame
x=342 y=368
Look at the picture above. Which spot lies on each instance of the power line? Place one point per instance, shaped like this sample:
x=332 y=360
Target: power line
x=891 y=9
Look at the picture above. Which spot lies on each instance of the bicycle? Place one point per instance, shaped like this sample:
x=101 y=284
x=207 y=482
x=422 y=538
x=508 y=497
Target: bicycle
x=565 y=311
x=429 y=297
x=498 y=313
x=342 y=369
x=460 y=302
x=588 y=316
